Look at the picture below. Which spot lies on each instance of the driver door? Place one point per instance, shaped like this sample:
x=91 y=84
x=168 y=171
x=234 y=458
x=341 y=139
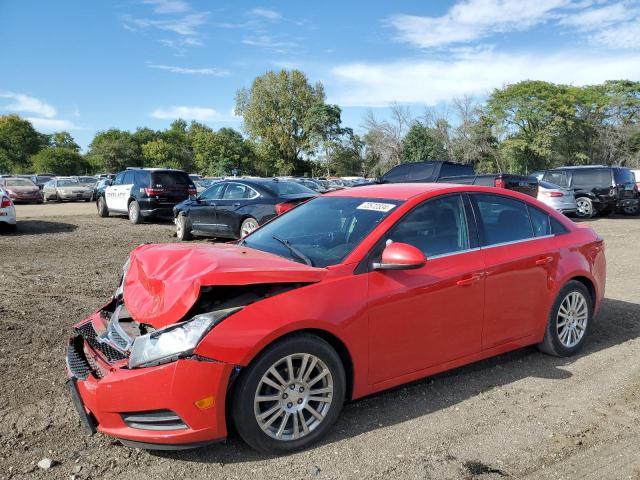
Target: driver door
x=202 y=214
x=427 y=316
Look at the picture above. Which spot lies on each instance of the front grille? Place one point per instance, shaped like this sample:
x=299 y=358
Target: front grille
x=77 y=362
x=91 y=337
x=118 y=339
x=154 y=420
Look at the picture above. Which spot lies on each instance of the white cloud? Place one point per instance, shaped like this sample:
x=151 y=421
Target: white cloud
x=432 y=81
x=169 y=6
x=216 y=72
x=51 y=124
x=202 y=114
x=473 y=19
x=25 y=103
x=625 y=35
x=598 y=17
x=265 y=13
x=268 y=42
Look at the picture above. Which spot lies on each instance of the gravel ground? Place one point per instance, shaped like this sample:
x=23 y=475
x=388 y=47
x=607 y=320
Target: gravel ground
x=520 y=415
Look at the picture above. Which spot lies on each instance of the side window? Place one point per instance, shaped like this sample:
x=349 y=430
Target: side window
x=502 y=219
x=119 y=178
x=436 y=227
x=590 y=177
x=557 y=228
x=214 y=192
x=235 y=191
x=559 y=178
x=541 y=222
x=128 y=178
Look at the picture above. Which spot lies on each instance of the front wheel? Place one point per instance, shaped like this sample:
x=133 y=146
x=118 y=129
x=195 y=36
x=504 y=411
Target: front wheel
x=585 y=207
x=183 y=232
x=248 y=226
x=134 y=213
x=569 y=322
x=290 y=396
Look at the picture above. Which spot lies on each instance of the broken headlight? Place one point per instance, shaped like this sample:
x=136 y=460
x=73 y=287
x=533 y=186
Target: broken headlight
x=125 y=269
x=170 y=343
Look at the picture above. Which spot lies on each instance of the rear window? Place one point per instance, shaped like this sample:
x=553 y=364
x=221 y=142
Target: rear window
x=557 y=178
x=19 y=182
x=448 y=170
x=410 y=172
x=171 y=179
x=288 y=188
x=624 y=175
x=549 y=185
x=591 y=177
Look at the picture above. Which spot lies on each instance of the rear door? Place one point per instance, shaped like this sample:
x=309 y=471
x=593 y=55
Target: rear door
x=236 y=199
x=595 y=183
x=519 y=253
x=202 y=214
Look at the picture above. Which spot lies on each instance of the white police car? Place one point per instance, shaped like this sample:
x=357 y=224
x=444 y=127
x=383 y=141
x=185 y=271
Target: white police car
x=7 y=212
x=145 y=193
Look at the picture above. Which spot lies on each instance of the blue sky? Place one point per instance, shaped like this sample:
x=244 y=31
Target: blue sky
x=87 y=66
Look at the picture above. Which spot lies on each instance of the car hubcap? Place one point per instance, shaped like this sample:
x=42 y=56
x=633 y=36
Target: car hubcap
x=293 y=396
x=248 y=227
x=133 y=213
x=572 y=318
x=179 y=228
x=583 y=207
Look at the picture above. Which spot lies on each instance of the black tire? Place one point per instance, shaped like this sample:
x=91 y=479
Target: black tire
x=134 y=213
x=183 y=229
x=551 y=344
x=248 y=225
x=103 y=211
x=632 y=210
x=585 y=207
x=605 y=212
x=242 y=400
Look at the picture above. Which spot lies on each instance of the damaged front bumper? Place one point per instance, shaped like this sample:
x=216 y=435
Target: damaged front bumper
x=171 y=406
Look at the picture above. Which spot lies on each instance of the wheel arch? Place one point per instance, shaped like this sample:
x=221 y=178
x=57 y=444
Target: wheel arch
x=588 y=283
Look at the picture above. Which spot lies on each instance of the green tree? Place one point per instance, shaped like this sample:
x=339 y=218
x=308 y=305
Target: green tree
x=64 y=140
x=423 y=143
x=218 y=153
x=161 y=153
x=114 y=150
x=18 y=142
x=279 y=111
x=61 y=161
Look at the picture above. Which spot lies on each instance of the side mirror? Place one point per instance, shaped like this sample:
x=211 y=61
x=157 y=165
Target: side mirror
x=400 y=256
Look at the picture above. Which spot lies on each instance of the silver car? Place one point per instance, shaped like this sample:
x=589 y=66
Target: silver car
x=66 y=188
x=558 y=198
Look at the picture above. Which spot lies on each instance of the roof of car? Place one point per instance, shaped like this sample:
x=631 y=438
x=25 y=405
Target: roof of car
x=392 y=191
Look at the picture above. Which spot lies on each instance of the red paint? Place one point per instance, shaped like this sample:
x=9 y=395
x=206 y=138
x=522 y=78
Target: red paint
x=402 y=254
x=395 y=325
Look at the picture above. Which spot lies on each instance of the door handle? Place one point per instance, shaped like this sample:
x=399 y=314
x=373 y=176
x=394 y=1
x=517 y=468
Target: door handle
x=544 y=261
x=465 y=282
x=237 y=204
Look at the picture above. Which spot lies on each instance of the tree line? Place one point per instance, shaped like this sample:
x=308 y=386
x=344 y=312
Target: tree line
x=289 y=128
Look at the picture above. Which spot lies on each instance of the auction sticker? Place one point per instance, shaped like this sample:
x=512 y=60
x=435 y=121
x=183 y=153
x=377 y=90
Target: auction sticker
x=376 y=206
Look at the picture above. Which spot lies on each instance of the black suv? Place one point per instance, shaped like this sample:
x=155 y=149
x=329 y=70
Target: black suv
x=144 y=193
x=598 y=189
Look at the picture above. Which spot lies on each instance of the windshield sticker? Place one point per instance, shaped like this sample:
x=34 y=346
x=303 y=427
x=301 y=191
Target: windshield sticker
x=375 y=206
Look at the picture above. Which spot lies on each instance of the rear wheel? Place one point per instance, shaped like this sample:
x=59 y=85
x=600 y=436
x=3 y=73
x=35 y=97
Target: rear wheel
x=134 y=213
x=632 y=209
x=248 y=226
x=183 y=231
x=569 y=322
x=103 y=211
x=585 y=207
x=290 y=396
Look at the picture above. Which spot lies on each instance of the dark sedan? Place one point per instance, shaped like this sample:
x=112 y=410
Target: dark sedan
x=234 y=208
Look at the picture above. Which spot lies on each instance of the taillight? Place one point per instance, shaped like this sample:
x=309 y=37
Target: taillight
x=6 y=202
x=553 y=194
x=500 y=183
x=152 y=192
x=284 y=207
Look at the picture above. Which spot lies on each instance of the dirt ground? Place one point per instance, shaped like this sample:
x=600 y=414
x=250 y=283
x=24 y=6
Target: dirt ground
x=520 y=415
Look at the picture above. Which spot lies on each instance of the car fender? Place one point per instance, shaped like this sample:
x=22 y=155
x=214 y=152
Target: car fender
x=334 y=306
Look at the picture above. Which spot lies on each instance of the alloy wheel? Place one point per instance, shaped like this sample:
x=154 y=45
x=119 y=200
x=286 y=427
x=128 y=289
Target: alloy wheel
x=571 y=321
x=248 y=226
x=293 y=397
x=584 y=206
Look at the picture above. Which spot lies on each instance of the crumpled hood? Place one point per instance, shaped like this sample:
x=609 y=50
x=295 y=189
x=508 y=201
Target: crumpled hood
x=164 y=280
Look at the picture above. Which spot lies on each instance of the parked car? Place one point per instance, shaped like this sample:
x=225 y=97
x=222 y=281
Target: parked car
x=311 y=184
x=558 y=198
x=451 y=172
x=348 y=294
x=636 y=176
x=598 y=189
x=66 y=188
x=41 y=178
x=21 y=190
x=7 y=212
x=145 y=193
x=235 y=208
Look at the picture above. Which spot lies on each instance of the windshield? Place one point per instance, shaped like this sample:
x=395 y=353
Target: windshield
x=87 y=180
x=322 y=231
x=19 y=182
x=68 y=183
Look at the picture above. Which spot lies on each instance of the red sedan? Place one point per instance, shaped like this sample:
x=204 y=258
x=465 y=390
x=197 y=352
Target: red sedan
x=349 y=294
